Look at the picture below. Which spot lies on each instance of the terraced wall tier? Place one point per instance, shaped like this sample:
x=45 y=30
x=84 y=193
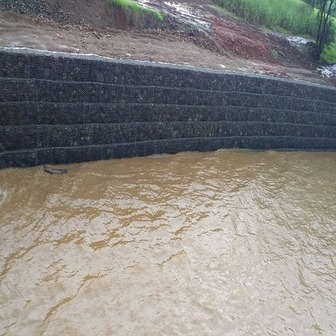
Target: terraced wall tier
x=58 y=108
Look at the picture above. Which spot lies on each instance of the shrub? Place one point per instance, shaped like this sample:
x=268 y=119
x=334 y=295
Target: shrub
x=328 y=55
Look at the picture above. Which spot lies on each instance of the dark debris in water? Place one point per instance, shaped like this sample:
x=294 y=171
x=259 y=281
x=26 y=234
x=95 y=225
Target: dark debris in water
x=54 y=171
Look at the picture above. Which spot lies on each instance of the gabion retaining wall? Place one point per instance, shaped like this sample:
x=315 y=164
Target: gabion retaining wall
x=58 y=108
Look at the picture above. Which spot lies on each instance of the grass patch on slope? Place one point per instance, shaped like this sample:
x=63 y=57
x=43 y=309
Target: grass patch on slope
x=292 y=16
x=135 y=9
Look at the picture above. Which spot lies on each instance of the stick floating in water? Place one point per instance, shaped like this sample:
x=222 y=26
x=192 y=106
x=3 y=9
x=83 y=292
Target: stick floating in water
x=54 y=171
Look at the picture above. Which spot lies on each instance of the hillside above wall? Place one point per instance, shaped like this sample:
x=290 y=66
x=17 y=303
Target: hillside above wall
x=193 y=33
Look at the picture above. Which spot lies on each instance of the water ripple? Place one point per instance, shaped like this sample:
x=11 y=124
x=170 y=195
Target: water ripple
x=232 y=243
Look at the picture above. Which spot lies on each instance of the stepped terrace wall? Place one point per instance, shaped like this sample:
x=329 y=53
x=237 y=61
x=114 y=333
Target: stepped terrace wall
x=58 y=108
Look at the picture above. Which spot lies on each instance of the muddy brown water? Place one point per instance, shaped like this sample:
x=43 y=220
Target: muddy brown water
x=223 y=243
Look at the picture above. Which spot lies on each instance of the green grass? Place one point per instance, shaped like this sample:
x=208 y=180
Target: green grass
x=291 y=16
x=329 y=54
x=135 y=9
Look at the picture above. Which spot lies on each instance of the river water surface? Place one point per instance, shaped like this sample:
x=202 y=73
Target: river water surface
x=222 y=243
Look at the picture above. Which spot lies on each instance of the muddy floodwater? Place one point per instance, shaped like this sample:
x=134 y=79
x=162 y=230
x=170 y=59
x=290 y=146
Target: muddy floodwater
x=222 y=243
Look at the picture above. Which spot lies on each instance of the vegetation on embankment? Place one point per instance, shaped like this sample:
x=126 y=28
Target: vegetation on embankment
x=136 y=12
x=328 y=55
x=292 y=16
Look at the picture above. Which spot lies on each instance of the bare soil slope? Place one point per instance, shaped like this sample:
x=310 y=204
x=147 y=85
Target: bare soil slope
x=193 y=33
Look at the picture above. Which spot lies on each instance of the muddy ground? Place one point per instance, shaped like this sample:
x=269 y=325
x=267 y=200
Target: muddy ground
x=193 y=33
